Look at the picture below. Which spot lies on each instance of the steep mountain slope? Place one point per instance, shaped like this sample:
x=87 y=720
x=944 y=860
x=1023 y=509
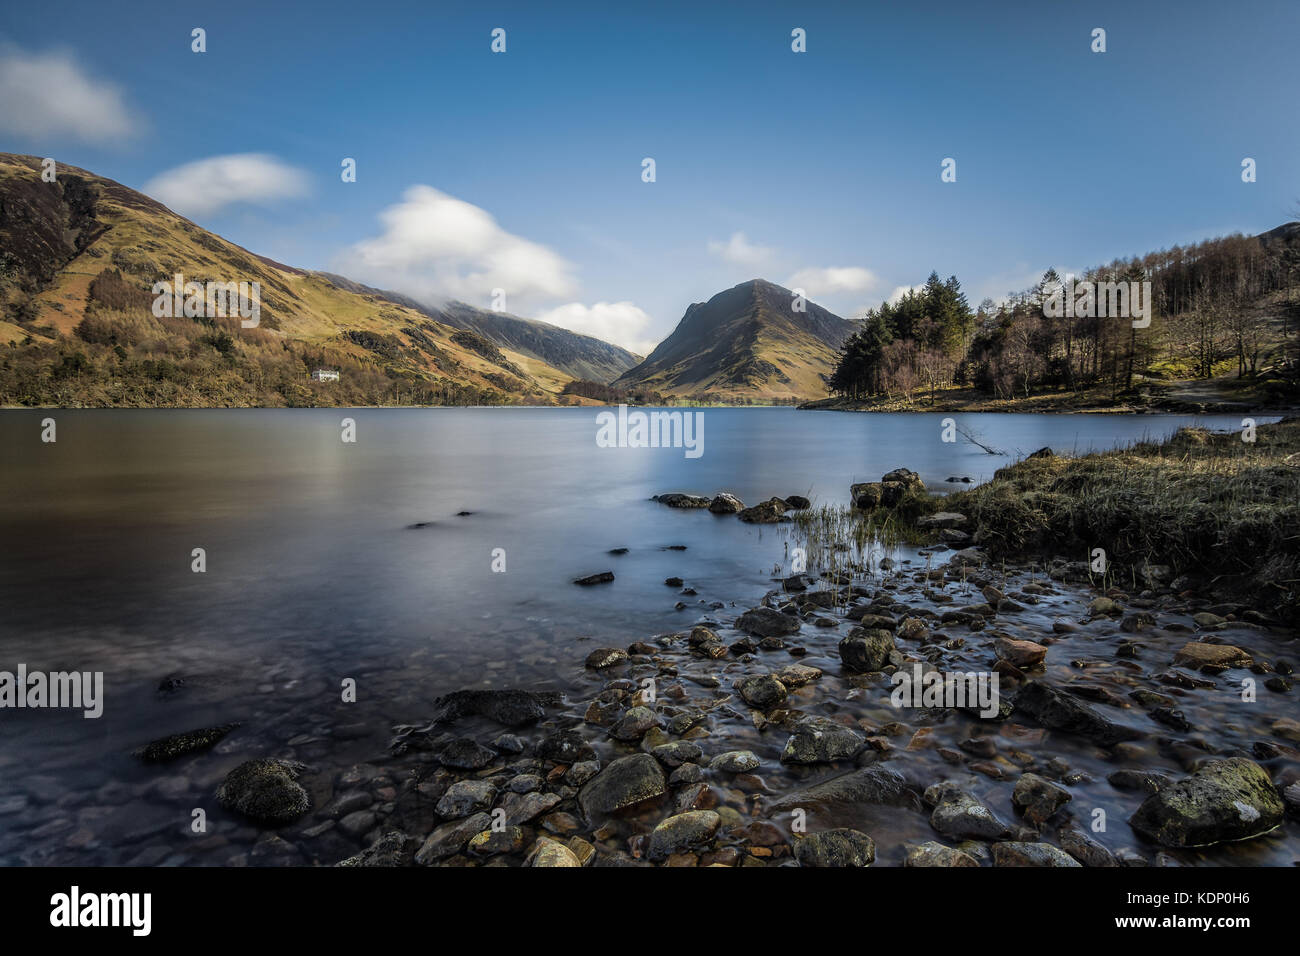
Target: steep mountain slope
x=747 y=343
x=78 y=260
x=574 y=354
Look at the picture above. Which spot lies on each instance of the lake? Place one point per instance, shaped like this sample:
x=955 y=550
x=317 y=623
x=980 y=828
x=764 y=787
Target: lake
x=315 y=573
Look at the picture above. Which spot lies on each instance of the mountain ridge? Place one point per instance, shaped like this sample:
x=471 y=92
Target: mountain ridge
x=79 y=256
x=745 y=343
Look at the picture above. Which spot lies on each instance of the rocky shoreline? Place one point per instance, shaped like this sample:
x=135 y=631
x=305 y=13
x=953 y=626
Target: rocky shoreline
x=1121 y=735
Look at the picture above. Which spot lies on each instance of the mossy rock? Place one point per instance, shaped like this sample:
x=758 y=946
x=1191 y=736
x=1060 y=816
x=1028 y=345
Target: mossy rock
x=1225 y=800
x=265 y=790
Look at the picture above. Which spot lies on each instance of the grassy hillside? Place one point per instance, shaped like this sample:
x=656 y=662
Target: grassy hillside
x=79 y=257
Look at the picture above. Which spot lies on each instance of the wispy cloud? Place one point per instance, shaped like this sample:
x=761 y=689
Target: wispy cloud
x=740 y=251
x=833 y=280
x=50 y=97
x=207 y=185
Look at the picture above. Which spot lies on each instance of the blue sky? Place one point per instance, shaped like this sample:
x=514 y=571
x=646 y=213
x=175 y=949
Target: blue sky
x=522 y=170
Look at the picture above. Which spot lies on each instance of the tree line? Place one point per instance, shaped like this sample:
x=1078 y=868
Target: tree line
x=1222 y=305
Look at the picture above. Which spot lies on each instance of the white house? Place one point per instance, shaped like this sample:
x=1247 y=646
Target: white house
x=325 y=375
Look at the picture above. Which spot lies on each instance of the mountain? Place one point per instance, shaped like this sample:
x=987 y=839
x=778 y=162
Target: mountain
x=78 y=261
x=576 y=355
x=747 y=343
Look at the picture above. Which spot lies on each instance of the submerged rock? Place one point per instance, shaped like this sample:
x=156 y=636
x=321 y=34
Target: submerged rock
x=842 y=847
x=959 y=815
x=682 y=832
x=603 y=657
x=392 y=849
x=1059 y=711
x=767 y=622
x=877 y=786
x=512 y=708
x=169 y=748
x=464 y=753
x=450 y=838
x=820 y=740
x=931 y=853
x=766 y=512
x=1038 y=799
x=265 y=790
x=676 y=499
x=735 y=761
x=763 y=691
x=602 y=578
x=1198 y=655
x=1014 y=853
x=866 y=649
x=1231 y=799
x=626 y=782
x=1022 y=654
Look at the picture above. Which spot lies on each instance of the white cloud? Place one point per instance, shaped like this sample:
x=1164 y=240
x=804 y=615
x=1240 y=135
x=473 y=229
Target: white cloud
x=901 y=290
x=206 y=185
x=49 y=96
x=740 y=250
x=832 y=281
x=621 y=323
x=435 y=247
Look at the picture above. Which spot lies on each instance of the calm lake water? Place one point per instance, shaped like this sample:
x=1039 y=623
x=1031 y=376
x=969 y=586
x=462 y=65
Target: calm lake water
x=315 y=575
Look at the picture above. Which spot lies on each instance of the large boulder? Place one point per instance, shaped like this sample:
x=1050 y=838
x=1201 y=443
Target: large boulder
x=1224 y=800
x=865 y=649
x=265 y=790
x=1058 y=710
x=626 y=782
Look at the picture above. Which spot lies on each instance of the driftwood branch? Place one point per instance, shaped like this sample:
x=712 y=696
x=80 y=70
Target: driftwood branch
x=966 y=434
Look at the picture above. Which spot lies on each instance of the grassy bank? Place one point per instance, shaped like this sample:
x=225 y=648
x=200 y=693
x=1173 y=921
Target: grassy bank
x=1201 y=510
